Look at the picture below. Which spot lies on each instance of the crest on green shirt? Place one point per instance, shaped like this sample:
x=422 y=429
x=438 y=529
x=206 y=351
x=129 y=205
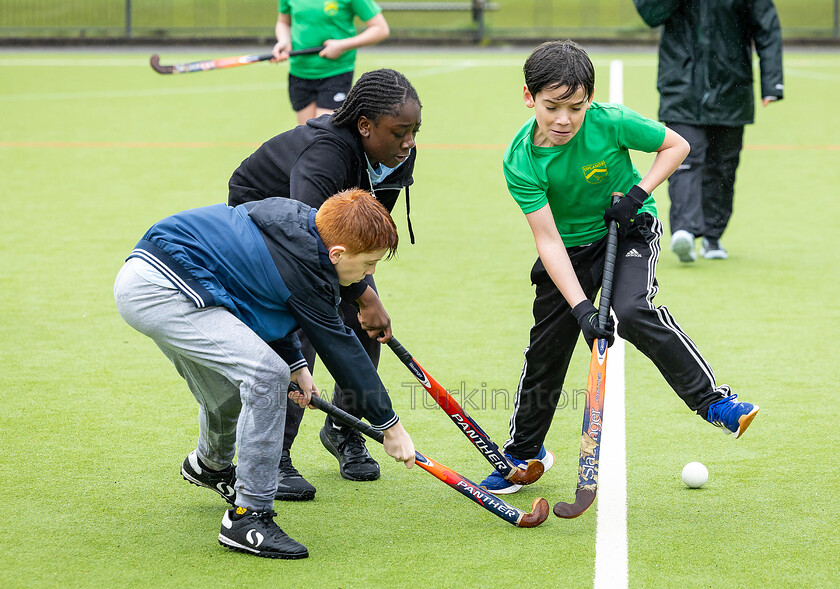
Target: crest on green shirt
x=331 y=7
x=595 y=173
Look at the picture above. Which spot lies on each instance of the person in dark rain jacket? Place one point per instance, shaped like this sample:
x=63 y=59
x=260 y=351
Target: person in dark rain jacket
x=705 y=85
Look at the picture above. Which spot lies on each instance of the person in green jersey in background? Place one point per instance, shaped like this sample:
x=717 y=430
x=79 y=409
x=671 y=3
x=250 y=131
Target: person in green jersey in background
x=561 y=168
x=319 y=83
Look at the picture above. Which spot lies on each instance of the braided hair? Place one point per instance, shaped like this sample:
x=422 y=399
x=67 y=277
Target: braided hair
x=376 y=93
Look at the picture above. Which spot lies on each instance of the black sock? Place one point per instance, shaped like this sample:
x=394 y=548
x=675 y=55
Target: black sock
x=205 y=467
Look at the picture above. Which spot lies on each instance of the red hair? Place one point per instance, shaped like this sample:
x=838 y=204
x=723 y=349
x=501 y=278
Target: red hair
x=355 y=220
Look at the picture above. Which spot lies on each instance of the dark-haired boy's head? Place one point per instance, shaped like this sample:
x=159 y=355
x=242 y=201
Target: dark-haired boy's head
x=559 y=86
x=560 y=63
x=357 y=232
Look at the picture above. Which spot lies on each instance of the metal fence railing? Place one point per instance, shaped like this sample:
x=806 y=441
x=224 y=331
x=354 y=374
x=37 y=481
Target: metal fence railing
x=253 y=20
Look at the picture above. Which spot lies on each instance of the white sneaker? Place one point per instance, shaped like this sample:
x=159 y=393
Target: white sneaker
x=712 y=250
x=682 y=244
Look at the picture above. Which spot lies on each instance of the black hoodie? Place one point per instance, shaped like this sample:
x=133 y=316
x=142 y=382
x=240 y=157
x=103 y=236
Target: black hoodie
x=312 y=162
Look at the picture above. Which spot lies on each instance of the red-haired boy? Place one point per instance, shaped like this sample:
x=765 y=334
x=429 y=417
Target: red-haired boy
x=211 y=286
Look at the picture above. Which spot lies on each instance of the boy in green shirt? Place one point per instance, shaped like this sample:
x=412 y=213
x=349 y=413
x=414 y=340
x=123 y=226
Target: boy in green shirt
x=561 y=168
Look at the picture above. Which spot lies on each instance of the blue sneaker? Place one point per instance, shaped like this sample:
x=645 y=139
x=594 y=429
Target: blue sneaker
x=496 y=483
x=731 y=416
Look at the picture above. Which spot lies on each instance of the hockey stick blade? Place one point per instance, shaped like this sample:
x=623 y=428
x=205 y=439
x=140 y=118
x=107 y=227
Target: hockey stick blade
x=154 y=61
x=467 y=488
x=539 y=513
x=583 y=499
x=530 y=474
x=491 y=452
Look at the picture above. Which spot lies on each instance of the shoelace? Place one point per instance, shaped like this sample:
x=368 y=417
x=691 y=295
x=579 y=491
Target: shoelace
x=516 y=461
x=287 y=469
x=722 y=411
x=271 y=528
x=354 y=443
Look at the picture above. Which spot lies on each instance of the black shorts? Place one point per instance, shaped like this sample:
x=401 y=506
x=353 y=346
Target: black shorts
x=324 y=92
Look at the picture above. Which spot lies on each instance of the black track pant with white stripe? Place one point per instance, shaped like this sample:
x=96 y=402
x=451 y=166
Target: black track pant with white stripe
x=652 y=330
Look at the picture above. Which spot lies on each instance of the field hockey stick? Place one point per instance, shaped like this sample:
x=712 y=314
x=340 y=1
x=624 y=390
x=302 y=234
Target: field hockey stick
x=467 y=424
x=221 y=63
x=467 y=488
x=593 y=413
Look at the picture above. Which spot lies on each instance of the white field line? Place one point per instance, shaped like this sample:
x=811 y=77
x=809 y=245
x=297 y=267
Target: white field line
x=617 y=81
x=611 y=531
x=611 y=568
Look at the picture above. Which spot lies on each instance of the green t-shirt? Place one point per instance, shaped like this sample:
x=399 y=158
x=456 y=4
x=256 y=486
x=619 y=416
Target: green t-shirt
x=577 y=179
x=315 y=21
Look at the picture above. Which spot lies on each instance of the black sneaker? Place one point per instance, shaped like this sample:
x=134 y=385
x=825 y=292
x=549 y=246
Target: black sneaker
x=290 y=485
x=254 y=532
x=712 y=250
x=220 y=481
x=348 y=445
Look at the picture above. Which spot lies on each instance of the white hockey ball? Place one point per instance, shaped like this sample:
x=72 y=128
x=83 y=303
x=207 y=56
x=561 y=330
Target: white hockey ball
x=695 y=475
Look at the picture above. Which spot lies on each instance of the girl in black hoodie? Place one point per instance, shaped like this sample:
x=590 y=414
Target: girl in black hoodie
x=367 y=143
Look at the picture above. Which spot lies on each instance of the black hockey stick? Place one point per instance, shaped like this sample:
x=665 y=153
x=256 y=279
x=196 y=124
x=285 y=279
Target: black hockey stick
x=517 y=517
x=221 y=63
x=467 y=424
x=590 y=443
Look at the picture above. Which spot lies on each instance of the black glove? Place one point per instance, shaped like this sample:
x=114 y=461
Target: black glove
x=587 y=318
x=624 y=211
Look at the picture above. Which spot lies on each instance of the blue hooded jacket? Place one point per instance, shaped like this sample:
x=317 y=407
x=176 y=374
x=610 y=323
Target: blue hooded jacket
x=265 y=262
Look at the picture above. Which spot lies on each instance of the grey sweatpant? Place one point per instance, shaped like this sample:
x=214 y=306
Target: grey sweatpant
x=240 y=383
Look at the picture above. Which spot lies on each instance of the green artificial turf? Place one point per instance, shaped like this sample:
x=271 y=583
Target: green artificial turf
x=95 y=147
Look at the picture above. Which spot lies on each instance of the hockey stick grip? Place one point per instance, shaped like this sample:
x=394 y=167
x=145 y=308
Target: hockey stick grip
x=306 y=51
x=609 y=269
x=294 y=52
x=399 y=350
